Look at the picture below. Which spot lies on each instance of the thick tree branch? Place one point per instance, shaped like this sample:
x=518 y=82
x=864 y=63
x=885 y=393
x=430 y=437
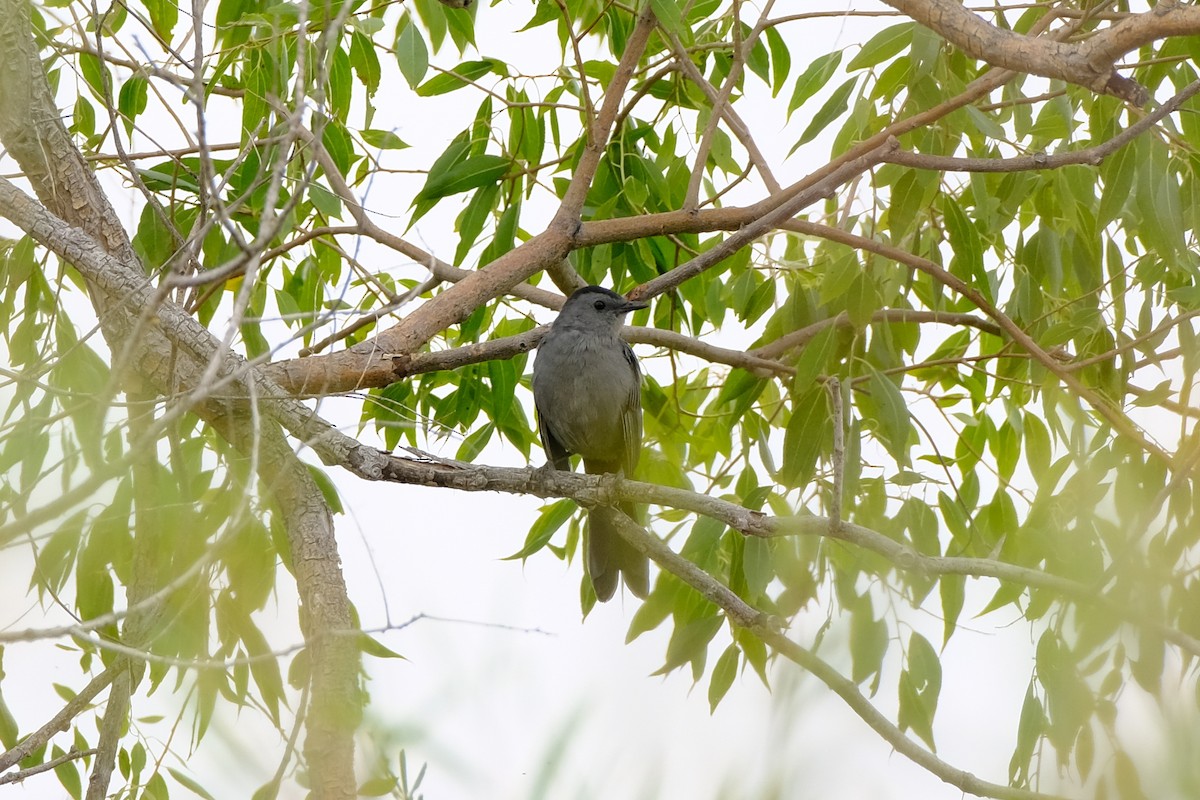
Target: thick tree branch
x=1090 y=63
x=373 y=359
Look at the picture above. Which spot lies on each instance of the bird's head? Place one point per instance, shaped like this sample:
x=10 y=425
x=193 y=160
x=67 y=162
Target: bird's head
x=596 y=307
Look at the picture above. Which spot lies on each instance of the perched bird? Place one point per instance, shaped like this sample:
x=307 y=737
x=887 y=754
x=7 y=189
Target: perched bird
x=586 y=388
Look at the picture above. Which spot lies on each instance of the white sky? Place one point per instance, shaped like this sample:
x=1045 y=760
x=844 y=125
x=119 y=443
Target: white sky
x=571 y=711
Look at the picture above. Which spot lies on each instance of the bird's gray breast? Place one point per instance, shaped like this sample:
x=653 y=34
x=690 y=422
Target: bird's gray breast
x=583 y=384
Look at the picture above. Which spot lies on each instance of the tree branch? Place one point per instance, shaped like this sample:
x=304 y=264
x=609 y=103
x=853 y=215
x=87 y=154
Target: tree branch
x=766 y=629
x=20 y=775
x=1114 y=416
x=1090 y=63
x=1038 y=161
x=609 y=490
x=62 y=720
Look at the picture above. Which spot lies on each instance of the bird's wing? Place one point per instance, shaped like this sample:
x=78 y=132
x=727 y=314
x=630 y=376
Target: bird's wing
x=555 y=451
x=631 y=417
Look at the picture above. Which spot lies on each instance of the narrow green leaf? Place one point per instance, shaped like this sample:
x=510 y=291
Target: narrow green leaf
x=781 y=60
x=890 y=414
x=325 y=201
x=806 y=430
x=189 y=783
x=757 y=565
x=548 y=522
x=473 y=218
x=470 y=173
x=365 y=62
x=473 y=445
x=952 y=591
x=670 y=17
x=813 y=79
x=341 y=85
x=833 y=108
x=373 y=647
x=460 y=76
x=93 y=72
x=546 y=11
x=68 y=775
x=384 y=140
x=163 y=16
x=132 y=100
x=1030 y=727
x=882 y=46
x=411 y=53
x=328 y=489
x=689 y=643
x=723 y=673
x=868 y=642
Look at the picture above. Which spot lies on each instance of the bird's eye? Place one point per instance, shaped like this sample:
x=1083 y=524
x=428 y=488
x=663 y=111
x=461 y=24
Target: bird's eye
x=598 y=305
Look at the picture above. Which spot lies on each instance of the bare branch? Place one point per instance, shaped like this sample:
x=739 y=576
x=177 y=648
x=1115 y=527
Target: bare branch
x=1090 y=63
x=62 y=720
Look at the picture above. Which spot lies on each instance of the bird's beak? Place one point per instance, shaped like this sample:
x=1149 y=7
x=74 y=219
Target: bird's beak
x=634 y=305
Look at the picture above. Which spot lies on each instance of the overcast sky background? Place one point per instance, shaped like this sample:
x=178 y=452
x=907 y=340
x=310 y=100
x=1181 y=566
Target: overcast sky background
x=522 y=699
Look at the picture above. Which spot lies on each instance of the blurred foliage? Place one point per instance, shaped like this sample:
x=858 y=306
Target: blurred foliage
x=959 y=444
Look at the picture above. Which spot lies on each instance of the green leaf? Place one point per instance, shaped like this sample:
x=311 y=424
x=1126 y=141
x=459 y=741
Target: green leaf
x=462 y=75
x=546 y=11
x=377 y=787
x=328 y=489
x=8 y=724
x=68 y=775
x=1030 y=728
x=757 y=565
x=325 y=201
x=473 y=445
x=868 y=642
x=411 y=53
x=474 y=217
x=667 y=12
x=384 y=140
x=339 y=145
x=814 y=359
x=94 y=73
x=833 y=108
x=813 y=79
x=373 y=647
x=723 y=673
x=920 y=686
x=163 y=16
x=132 y=100
x=952 y=591
x=190 y=783
x=806 y=430
x=887 y=408
x=967 y=246
x=882 y=46
x=341 y=85
x=365 y=62
x=781 y=60
x=463 y=176
x=689 y=643
x=548 y=522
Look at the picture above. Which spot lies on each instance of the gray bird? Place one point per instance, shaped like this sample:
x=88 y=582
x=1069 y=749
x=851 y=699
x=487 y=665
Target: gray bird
x=586 y=388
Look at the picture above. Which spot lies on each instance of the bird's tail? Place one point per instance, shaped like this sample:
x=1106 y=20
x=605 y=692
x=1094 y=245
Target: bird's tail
x=609 y=556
